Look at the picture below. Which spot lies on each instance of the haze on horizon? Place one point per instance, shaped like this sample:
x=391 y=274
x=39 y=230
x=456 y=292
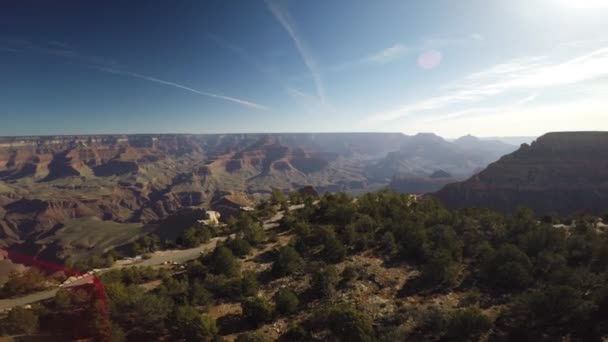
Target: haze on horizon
x=487 y=68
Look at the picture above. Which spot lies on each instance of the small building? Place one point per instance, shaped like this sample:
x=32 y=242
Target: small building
x=212 y=218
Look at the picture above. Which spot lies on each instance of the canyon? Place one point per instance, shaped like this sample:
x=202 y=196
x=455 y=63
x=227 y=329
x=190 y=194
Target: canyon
x=47 y=182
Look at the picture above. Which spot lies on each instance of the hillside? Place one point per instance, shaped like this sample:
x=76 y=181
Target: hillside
x=565 y=173
x=47 y=182
x=380 y=267
x=426 y=153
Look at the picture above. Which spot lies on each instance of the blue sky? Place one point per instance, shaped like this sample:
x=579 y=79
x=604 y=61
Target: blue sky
x=488 y=68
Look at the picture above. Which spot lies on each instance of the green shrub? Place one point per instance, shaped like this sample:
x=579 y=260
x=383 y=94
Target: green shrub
x=222 y=261
x=467 y=325
x=257 y=310
x=352 y=272
x=349 y=324
x=240 y=247
x=249 y=284
x=324 y=280
x=286 y=301
x=187 y=324
x=440 y=270
x=333 y=251
x=22 y=321
x=288 y=262
x=255 y=336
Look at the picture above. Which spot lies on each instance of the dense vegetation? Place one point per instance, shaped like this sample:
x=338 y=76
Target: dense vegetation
x=443 y=275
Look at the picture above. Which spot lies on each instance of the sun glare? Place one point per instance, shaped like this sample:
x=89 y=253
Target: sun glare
x=584 y=4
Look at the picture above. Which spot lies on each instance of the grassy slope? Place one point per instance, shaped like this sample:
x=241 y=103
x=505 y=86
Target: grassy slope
x=86 y=236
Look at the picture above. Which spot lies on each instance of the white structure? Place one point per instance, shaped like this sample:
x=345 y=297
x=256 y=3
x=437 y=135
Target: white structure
x=213 y=218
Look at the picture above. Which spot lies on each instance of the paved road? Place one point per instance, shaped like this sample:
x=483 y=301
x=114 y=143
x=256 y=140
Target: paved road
x=29 y=299
x=178 y=255
x=156 y=259
x=184 y=255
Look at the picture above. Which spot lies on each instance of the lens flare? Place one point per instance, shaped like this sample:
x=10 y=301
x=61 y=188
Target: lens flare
x=429 y=59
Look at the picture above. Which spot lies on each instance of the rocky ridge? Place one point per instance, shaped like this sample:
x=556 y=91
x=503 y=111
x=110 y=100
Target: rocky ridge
x=562 y=172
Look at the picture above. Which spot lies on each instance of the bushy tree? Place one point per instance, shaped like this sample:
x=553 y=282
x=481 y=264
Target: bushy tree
x=222 y=261
x=545 y=314
x=440 y=270
x=175 y=288
x=265 y=210
x=509 y=269
x=239 y=246
x=336 y=208
x=544 y=238
x=277 y=197
x=388 y=245
x=190 y=238
x=412 y=239
x=467 y=325
x=248 y=228
x=254 y=234
x=29 y=281
x=579 y=250
x=253 y=336
x=249 y=284
x=432 y=322
x=288 y=261
x=257 y=310
x=442 y=237
x=198 y=294
x=349 y=324
x=360 y=232
x=142 y=314
x=353 y=272
x=333 y=251
x=324 y=280
x=286 y=301
x=186 y=323
x=295 y=197
x=146 y=244
x=22 y=321
x=224 y=287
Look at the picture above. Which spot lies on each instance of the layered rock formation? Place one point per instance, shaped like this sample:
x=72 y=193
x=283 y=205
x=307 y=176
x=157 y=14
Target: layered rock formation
x=47 y=181
x=425 y=153
x=564 y=173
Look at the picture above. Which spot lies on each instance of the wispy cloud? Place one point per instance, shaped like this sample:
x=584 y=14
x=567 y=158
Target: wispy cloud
x=309 y=103
x=176 y=85
x=384 y=56
x=58 y=44
x=3 y=48
x=247 y=58
x=399 y=50
x=477 y=111
x=63 y=50
x=284 y=18
x=389 y=54
x=580 y=114
x=532 y=75
x=53 y=48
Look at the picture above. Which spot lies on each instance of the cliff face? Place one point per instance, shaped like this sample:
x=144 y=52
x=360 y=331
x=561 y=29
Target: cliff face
x=46 y=181
x=564 y=173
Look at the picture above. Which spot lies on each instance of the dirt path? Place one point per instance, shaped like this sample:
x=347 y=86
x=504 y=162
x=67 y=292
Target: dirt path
x=6 y=304
x=156 y=259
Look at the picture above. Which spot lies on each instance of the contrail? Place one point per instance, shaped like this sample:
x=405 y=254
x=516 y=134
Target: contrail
x=112 y=67
x=204 y=93
x=284 y=19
